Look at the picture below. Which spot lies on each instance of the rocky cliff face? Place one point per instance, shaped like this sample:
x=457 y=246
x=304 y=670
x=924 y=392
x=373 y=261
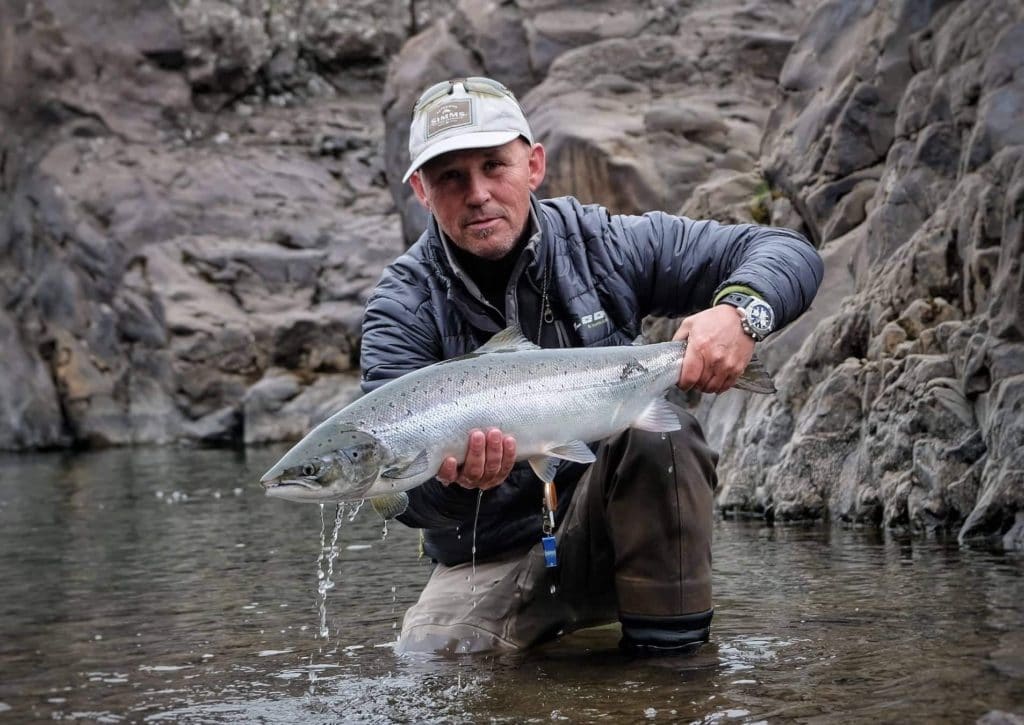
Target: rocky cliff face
x=196 y=197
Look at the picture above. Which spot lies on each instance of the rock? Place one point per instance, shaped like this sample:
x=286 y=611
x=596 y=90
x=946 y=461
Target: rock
x=30 y=414
x=999 y=717
x=279 y=407
x=1013 y=540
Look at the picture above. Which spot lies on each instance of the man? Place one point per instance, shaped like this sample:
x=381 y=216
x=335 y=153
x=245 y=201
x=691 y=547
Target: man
x=634 y=528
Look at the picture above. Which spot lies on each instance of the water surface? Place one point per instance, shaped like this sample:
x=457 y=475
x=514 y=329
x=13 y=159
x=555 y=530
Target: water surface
x=161 y=585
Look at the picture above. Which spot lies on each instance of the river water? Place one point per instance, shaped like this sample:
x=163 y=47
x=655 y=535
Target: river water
x=161 y=585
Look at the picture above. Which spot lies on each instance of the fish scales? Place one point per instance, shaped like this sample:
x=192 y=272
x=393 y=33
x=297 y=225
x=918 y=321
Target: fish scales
x=552 y=401
x=529 y=394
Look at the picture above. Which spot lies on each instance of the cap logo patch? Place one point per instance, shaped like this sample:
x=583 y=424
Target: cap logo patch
x=451 y=114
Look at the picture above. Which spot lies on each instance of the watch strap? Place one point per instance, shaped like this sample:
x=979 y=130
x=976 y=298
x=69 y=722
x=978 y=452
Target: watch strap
x=742 y=301
x=741 y=288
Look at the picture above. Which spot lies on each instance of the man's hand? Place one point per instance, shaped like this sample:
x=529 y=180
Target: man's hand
x=717 y=349
x=489 y=459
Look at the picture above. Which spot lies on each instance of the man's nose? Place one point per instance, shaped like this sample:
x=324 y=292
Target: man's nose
x=478 y=192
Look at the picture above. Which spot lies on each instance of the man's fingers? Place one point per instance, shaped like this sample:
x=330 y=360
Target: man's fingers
x=449 y=470
x=508 y=455
x=489 y=459
x=476 y=452
x=692 y=370
x=493 y=451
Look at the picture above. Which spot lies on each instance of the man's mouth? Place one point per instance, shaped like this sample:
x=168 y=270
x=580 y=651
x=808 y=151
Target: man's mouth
x=482 y=222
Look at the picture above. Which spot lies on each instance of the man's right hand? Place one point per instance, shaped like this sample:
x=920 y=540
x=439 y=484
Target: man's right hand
x=489 y=459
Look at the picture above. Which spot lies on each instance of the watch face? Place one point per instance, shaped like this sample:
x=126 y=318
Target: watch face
x=761 y=317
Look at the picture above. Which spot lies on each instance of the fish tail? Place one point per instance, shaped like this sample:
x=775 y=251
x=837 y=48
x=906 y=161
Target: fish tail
x=756 y=378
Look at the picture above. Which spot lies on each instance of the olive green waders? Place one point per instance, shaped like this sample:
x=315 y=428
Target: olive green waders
x=634 y=546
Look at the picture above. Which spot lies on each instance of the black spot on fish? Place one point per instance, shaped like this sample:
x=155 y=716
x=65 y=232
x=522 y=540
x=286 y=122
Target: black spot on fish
x=631 y=369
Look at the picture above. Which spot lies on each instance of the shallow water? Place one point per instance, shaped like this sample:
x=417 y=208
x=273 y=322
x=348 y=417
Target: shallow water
x=161 y=585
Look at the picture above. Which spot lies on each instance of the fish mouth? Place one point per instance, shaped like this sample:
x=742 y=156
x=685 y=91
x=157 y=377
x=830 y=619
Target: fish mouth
x=292 y=488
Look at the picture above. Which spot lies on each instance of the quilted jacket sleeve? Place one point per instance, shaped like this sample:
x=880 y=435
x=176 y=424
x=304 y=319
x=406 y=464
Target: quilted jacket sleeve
x=676 y=264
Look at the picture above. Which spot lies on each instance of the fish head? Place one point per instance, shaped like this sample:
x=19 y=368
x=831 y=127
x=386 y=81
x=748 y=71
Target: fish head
x=325 y=467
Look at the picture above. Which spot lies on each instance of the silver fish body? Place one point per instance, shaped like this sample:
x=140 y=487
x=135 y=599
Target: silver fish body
x=551 y=400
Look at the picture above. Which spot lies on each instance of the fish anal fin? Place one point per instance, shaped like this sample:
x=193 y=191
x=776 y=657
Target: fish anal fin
x=408 y=469
x=577 y=451
x=658 y=417
x=545 y=467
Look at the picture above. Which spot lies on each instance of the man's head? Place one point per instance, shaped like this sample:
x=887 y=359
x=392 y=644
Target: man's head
x=474 y=163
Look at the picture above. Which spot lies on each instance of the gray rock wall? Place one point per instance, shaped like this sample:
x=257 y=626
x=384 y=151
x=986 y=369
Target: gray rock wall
x=898 y=138
x=196 y=197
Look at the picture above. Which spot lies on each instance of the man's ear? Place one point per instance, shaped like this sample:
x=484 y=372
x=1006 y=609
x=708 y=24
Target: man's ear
x=417 y=186
x=538 y=165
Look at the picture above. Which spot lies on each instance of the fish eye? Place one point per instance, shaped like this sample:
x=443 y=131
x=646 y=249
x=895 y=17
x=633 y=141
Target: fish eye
x=308 y=469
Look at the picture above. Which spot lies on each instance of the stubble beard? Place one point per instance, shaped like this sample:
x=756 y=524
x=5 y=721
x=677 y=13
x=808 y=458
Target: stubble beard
x=488 y=244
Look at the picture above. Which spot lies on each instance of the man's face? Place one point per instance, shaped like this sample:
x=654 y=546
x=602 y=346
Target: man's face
x=481 y=197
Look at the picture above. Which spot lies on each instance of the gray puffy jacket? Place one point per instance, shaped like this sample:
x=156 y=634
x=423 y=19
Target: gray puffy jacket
x=603 y=274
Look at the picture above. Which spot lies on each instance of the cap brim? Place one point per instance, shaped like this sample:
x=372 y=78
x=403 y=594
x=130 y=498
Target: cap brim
x=480 y=140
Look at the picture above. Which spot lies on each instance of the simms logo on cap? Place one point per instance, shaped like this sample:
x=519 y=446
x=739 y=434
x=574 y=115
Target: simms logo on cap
x=450 y=115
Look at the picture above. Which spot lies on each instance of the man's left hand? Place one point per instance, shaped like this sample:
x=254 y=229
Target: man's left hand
x=717 y=349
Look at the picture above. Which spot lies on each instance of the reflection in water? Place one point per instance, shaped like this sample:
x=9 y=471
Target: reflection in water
x=162 y=585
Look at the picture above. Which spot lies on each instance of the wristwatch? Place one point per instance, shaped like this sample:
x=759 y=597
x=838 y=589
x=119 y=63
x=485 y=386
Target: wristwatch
x=756 y=316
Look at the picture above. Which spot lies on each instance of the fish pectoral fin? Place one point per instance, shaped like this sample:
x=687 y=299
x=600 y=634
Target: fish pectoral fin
x=577 y=451
x=658 y=417
x=409 y=469
x=545 y=467
x=390 y=505
x=756 y=378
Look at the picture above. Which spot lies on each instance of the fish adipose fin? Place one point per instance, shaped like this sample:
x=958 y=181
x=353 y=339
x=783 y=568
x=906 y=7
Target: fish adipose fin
x=572 y=451
x=406 y=469
x=658 y=417
x=545 y=467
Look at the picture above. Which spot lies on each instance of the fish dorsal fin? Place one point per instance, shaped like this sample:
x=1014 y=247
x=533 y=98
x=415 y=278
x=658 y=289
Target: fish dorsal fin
x=658 y=417
x=545 y=467
x=511 y=339
x=572 y=451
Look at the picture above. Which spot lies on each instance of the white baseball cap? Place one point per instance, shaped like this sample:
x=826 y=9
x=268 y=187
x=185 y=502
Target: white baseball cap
x=463 y=113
